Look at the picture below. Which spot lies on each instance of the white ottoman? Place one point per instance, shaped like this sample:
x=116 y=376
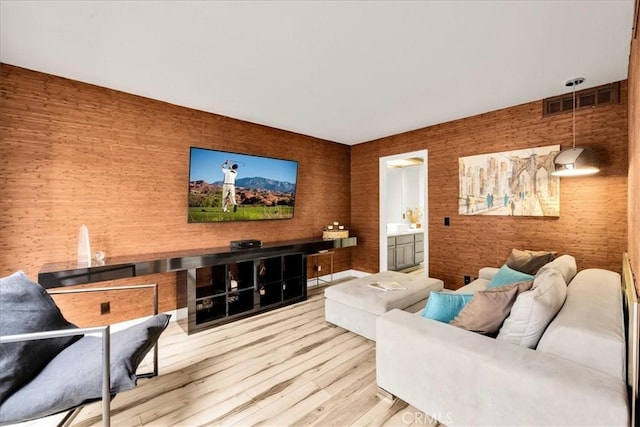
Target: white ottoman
x=354 y=305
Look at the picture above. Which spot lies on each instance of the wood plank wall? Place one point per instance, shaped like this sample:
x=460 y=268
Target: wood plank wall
x=634 y=148
x=593 y=216
x=74 y=154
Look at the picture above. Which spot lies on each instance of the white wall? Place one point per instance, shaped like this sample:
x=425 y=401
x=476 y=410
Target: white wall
x=405 y=190
x=394 y=195
x=413 y=188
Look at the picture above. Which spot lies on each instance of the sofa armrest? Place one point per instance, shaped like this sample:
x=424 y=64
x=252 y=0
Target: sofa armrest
x=463 y=378
x=487 y=273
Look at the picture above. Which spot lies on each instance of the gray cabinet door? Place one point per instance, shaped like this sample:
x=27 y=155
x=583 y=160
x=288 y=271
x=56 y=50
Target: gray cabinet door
x=405 y=251
x=419 y=248
x=404 y=256
x=391 y=258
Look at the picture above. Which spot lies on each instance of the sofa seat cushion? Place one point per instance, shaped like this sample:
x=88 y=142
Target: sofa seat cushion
x=589 y=329
x=358 y=294
x=533 y=310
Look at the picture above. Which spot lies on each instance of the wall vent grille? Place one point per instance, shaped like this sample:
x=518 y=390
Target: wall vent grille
x=587 y=98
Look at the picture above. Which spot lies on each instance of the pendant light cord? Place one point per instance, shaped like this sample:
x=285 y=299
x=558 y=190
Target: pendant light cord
x=573 y=83
x=574 y=115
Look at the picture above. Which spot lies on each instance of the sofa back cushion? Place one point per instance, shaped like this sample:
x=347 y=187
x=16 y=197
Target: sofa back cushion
x=564 y=264
x=589 y=329
x=533 y=310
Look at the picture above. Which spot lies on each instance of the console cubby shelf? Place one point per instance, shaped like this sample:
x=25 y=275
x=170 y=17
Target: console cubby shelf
x=225 y=292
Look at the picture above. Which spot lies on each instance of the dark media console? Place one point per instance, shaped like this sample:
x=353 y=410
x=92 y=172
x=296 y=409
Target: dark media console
x=213 y=286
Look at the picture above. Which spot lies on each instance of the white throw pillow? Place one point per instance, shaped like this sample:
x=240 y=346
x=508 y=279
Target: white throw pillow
x=534 y=310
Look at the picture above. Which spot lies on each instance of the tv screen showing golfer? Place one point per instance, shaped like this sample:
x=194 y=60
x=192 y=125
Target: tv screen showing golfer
x=225 y=186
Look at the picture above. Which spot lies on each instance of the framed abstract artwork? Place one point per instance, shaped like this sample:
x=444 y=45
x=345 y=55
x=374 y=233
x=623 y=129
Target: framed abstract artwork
x=513 y=183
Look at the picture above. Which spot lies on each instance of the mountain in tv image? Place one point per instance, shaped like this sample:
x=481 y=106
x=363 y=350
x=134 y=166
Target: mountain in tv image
x=259 y=183
x=257 y=198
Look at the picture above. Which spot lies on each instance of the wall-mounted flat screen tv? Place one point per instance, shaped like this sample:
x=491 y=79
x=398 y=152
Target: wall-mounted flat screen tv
x=225 y=186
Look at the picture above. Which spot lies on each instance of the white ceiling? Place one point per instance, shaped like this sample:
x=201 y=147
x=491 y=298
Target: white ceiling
x=347 y=72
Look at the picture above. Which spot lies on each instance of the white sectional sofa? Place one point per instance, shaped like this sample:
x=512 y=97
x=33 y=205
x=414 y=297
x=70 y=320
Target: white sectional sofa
x=575 y=376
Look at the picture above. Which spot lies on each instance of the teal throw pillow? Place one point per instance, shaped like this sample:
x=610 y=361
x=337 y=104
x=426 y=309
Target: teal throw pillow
x=444 y=307
x=506 y=276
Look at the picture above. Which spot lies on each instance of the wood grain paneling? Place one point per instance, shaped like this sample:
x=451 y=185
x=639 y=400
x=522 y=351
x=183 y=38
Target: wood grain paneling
x=74 y=153
x=593 y=217
x=84 y=309
x=634 y=148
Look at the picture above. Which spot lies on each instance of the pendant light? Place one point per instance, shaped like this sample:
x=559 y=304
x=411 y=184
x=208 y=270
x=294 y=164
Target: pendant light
x=575 y=161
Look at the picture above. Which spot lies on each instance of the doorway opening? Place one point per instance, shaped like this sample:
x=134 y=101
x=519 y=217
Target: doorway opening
x=404 y=211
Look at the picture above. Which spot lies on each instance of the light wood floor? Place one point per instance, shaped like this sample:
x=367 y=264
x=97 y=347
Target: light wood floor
x=281 y=368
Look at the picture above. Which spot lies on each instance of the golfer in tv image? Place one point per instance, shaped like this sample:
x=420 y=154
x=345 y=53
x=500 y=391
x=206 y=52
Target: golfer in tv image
x=229 y=186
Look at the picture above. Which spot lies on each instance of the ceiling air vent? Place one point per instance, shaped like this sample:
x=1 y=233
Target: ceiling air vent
x=588 y=98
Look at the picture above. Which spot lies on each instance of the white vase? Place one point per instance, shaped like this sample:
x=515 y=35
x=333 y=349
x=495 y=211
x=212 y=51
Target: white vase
x=84 y=247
